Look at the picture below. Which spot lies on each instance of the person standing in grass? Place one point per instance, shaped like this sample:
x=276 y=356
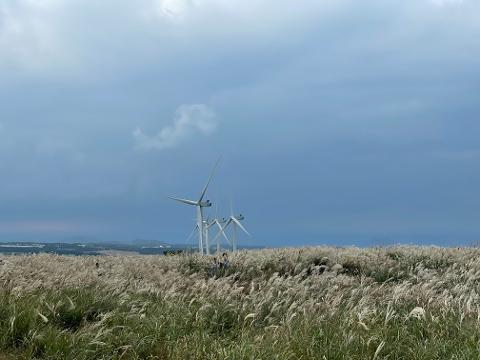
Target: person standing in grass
x=226 y=262
x=214 y=267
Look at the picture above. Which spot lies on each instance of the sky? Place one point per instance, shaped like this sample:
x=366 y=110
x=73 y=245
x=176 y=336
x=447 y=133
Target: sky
x=339 y=122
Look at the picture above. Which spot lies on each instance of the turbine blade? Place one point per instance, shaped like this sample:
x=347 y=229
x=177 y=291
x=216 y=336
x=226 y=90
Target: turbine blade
x=191 y=234
x=240 y=225
x=217 y=236
x=185 y=201
x=209 y=179
x=222 y=230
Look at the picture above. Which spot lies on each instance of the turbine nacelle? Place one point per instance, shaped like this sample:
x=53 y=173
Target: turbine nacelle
x=206 y=203
x=240 y=217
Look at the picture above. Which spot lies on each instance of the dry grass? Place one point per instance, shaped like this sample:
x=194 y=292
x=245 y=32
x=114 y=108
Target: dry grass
x=325 y=303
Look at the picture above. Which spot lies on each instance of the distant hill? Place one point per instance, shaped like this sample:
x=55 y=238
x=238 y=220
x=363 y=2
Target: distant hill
x=150 y=243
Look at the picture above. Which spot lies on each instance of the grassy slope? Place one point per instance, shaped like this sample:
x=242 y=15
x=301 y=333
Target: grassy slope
x=285 y=304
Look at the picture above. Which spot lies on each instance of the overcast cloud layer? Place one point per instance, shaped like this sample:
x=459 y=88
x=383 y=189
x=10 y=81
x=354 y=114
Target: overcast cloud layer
x=344 y=122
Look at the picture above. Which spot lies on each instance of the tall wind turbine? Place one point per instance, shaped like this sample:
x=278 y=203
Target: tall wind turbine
x=199 y=205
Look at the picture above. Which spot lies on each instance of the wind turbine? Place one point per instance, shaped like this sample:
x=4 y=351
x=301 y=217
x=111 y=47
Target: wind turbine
x=235 y=221
x=200 y=204
x=208 y=224
x=219 y=222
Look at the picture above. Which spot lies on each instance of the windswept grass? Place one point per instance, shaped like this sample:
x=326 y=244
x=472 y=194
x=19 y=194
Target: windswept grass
x=315 y=303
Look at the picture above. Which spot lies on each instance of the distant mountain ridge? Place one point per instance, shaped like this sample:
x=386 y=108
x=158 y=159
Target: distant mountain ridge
x=150 y=243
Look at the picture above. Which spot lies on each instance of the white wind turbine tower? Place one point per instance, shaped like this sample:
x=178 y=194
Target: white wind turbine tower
x=207 y=224
x=200 y=204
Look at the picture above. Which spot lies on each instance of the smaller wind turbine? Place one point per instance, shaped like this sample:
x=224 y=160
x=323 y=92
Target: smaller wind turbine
x=210 y=224
x=219 y=223
x=234 y=220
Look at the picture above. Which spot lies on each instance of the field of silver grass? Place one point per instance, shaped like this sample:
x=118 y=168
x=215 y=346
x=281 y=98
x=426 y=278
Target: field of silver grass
x=309 y=303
